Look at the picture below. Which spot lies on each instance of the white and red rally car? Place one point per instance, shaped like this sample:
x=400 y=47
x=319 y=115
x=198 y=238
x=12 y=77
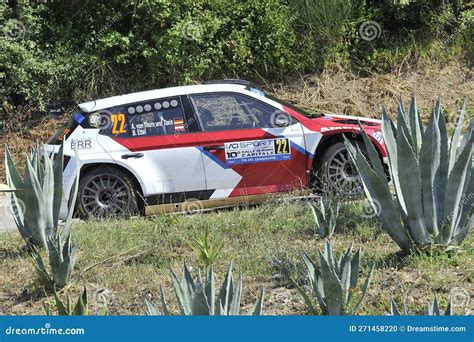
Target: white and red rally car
x=216 y=144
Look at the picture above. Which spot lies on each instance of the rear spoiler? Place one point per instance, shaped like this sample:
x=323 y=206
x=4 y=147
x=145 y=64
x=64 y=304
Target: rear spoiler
x=56 y=110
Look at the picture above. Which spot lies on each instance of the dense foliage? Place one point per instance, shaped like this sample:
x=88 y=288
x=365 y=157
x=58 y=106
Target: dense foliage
x=56 y=50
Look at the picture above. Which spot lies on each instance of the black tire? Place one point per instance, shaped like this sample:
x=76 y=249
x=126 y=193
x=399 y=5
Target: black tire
x=106 y=192
x=336 y=173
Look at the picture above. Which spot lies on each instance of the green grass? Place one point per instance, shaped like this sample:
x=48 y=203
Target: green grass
x=127 y=259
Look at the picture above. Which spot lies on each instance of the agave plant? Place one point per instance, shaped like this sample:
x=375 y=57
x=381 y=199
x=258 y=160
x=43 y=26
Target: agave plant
x=66 y=309
x=433 y=308
x=35 y=199
x=325 y=214
x=433 y=179
x=333 y=283
x=36 y=196
x=198 y=298
x=62 y=258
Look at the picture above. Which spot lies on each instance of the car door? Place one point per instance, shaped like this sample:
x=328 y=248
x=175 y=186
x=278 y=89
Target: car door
x=154 y=141
x=246 y=149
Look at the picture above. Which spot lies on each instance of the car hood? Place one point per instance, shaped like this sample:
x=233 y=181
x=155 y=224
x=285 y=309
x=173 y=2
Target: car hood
x=342 y=123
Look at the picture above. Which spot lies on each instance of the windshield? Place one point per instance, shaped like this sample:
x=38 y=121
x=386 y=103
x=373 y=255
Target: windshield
x=287 y=104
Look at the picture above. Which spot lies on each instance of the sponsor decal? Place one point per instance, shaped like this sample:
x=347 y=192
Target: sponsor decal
x=81 y=144
x=378 y=136
x=149 y=127
x=335 y=128
x=118 y=123
x=257 y=151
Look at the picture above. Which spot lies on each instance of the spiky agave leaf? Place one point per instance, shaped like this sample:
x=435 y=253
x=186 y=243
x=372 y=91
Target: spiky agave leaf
x=394 y=311
x=325 y=214
x=41 y=269
x=65 y=309
x=333 y=282
x=62 y=259
x=431 y=181
x=37 y=202
x=199 y=298
x=152 y=309
x=257 y=309
x=434 y=309
x=379 y=195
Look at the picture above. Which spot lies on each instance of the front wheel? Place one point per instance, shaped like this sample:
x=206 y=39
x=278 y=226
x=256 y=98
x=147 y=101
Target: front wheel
x=106 y=192
x=337 y=173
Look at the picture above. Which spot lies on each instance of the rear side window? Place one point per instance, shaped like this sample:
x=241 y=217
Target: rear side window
x=151 y=118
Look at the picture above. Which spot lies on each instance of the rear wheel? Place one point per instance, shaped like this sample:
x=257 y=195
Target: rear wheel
x=107 y=192
x=337 y=173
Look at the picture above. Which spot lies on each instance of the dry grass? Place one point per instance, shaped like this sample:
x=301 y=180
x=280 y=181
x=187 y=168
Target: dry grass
x=132 y=258
x=342 y=92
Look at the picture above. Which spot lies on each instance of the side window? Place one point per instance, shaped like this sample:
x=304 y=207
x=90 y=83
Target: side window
x=158 y=117
x=150 y=118
x=230 y=111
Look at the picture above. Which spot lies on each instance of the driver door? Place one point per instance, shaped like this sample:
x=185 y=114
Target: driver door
x=244 y=151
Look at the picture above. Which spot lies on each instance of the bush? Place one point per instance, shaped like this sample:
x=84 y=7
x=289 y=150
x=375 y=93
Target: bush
x=105 y=48
x=54 y=51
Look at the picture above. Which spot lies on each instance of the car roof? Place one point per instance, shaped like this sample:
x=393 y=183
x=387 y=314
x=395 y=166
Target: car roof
x=156 y=94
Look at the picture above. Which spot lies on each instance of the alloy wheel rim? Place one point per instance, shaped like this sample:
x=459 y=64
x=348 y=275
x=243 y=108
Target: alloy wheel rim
x=342 y=174
x=105 y=195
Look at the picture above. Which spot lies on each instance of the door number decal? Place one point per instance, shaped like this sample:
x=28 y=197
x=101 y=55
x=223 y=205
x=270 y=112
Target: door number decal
x=118 y=123
x=257 y=151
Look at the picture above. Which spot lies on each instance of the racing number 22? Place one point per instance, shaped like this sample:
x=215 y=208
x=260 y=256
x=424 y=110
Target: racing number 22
x=118 y=123
x=282 y=146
